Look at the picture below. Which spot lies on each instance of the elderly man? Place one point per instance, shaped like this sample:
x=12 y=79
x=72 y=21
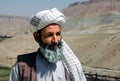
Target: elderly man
x=54 y=60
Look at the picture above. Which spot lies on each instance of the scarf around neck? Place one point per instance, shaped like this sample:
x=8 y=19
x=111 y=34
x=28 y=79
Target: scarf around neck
x=72 y=63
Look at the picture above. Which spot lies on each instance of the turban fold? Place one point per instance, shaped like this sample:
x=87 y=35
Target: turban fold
x=46 y=17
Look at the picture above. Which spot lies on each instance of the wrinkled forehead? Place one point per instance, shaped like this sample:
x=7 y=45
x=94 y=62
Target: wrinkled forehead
x=54 y=27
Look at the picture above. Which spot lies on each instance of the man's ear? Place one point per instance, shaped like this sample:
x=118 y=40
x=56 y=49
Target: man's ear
x=36 y=36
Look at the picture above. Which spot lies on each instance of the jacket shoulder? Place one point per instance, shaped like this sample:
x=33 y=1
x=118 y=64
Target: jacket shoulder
x=26 y=57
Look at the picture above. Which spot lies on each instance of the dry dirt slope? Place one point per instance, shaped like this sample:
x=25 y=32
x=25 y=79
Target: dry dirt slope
x=19 y=44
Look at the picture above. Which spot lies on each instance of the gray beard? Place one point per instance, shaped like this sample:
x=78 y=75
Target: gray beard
x=52 y=56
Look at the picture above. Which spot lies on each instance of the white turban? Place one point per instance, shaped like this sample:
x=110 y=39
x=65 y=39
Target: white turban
x=46 y=17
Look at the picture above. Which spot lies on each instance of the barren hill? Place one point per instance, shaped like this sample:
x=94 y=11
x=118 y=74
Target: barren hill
x=92 y=7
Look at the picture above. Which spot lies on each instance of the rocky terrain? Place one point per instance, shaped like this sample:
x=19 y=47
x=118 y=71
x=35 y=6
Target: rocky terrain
x=92 y=31
x=92 y=7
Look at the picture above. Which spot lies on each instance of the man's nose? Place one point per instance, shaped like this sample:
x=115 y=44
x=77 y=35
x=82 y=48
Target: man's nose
x=55 y=39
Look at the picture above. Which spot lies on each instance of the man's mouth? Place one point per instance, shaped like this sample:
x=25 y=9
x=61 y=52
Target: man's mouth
x=53 y=46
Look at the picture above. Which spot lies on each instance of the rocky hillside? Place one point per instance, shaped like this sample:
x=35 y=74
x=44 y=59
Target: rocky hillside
x=92 y=14
x=12 y=25
x=92 y=7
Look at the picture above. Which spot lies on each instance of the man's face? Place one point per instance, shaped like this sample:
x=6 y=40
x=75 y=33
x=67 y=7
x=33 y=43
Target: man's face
x=51 y=35
x=50 y=42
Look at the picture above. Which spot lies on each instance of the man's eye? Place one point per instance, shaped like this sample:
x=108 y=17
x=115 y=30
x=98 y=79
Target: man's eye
x=58 y=33
x=49 y=35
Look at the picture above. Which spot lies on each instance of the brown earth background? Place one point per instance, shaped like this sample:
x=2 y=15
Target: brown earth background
x=92 y=31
